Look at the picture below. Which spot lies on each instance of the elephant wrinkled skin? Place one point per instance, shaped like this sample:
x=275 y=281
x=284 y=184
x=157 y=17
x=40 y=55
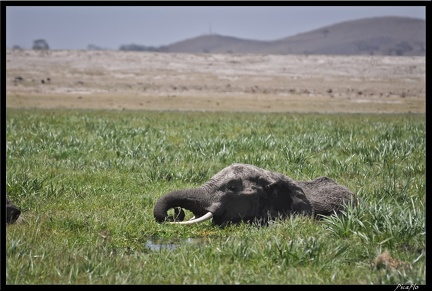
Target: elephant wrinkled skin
x=242 y=192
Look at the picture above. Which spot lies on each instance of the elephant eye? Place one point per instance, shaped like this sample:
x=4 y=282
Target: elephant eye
x=234 y=185
x=231 y=187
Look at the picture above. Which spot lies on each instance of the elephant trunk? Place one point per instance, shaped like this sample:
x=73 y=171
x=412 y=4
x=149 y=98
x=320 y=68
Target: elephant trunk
x=189 y=199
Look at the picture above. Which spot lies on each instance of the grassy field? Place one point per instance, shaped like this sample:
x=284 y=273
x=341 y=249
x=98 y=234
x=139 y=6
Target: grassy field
x=87 y=181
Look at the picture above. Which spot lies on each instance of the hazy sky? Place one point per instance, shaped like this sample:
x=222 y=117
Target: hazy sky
x=108 y=27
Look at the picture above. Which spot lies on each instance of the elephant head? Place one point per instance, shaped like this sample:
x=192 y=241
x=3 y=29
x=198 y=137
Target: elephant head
x=12 y=212
x=242 y=192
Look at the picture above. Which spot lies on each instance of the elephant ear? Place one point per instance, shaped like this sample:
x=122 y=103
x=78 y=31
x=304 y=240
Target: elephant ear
x=286 y=196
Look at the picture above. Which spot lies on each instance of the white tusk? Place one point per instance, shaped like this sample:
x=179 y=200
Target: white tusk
x=205 y=217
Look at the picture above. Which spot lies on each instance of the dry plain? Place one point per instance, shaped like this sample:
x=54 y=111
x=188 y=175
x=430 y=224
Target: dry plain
x=122 y=80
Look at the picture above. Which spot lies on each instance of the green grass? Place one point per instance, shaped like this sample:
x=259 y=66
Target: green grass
x=87 y=182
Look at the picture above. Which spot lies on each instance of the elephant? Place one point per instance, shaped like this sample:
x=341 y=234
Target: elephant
x=12 y=212
x=247 y=193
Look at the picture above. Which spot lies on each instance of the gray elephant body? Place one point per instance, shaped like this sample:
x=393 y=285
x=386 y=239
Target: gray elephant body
x=12 y=212
x=242 y=192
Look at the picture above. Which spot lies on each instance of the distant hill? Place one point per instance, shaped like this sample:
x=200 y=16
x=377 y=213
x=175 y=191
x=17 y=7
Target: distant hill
x=379 y=36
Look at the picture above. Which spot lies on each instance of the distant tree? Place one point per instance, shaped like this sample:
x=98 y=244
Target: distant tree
x=93 y=47
x=402 y=48
x=40 y=44
x=137 y=47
